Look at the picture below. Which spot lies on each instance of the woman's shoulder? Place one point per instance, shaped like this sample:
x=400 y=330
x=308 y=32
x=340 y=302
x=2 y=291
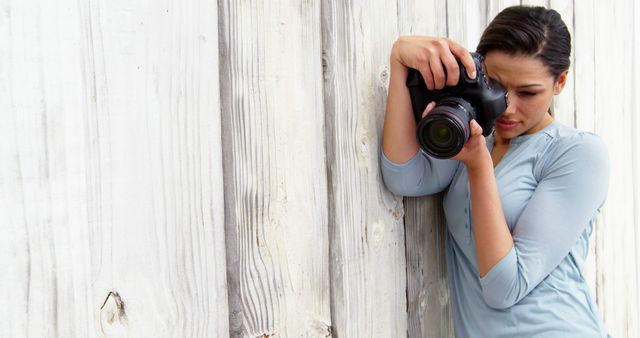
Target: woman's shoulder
x=567 y=145
x=564 y=138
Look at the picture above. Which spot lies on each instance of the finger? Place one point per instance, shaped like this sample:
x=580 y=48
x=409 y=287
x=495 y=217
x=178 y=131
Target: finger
x=438 y=72
x=465 y=57
x=428 y=78
x=453 y=71
x=428 y=108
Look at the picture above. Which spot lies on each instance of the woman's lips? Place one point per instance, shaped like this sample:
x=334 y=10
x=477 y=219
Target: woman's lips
x=506 y=124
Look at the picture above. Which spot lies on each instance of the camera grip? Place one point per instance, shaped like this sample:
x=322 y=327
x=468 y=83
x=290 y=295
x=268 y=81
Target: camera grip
x=418 y=92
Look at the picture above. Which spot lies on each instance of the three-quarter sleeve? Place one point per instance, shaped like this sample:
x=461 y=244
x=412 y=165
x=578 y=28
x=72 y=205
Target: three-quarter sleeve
x=572 y=187
x=421 y=175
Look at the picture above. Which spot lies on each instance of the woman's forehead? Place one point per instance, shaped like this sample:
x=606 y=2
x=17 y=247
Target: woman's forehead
x=517 y=70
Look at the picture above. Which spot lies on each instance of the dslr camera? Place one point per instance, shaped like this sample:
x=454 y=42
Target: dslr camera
x=445 y=130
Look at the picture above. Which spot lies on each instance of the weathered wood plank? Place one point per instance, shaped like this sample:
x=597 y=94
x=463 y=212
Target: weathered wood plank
x=416 y=17
x=584 y=75
x=466 y=21
x=564 y=107
x=368 y=281
x=274 y=168
x=429 y=313
x=584 y=46
x=159 y=92
x=43 y=233
x=543 y=3
x=635 y=143
x=428 y=289
x=115 y=153
x=495 y=6
x=616 y=247
x=111 y=183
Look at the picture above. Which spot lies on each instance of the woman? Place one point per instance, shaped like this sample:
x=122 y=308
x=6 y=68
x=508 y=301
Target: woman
x=520 y=205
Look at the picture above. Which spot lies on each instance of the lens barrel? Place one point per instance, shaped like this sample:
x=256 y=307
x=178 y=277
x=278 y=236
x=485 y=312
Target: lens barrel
x=445 y=130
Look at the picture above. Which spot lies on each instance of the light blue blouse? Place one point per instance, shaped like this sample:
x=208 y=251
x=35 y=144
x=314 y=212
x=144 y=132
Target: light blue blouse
x=552 y=185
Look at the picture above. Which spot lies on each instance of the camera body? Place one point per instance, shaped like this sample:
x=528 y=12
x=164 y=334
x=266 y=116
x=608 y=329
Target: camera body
x=445 y=130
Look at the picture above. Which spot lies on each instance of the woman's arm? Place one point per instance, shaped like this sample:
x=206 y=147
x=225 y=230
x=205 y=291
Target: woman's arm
x=492 y=236
x=405 y=171
x=398 y=136
x=572 y=187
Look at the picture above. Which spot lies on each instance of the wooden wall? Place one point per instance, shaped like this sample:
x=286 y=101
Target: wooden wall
x=111 y=176
x=210 y=169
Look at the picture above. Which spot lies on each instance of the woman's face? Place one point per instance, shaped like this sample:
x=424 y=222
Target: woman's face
x=530 y=88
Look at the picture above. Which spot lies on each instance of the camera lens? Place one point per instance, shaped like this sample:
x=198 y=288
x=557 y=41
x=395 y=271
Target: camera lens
x=445 y=130
x=441 y=135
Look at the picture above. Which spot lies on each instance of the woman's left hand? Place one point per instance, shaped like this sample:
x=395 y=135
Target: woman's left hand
x=475 y=152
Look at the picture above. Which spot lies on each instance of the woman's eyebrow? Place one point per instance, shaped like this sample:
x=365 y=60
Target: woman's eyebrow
x=530 y=85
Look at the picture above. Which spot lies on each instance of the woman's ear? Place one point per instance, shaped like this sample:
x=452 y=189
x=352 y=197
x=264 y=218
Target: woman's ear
x=560 y=82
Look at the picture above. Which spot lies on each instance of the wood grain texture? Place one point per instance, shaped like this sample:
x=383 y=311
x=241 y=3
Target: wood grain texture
x=115 y=128
x=583 y=40
x=429 y=313
x=564 y=107
x=164 y=255
x=417 y=17
x=114 y=154
x=616 y=239
x=427 y=285
x=495 y=6
x=367 y=238
x=585 y=67
x=44 y=239
x=543 y=3
x=635 y=144
x=466 y=21
x=274 y=169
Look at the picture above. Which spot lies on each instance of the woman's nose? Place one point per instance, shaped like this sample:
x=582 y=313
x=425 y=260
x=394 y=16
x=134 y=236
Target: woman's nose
x=511 y=103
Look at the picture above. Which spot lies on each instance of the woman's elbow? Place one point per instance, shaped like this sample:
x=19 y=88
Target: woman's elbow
x=498 y=302
x=397 y=188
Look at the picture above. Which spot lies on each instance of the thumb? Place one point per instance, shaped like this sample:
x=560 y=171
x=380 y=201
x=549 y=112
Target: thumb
x=475 y=128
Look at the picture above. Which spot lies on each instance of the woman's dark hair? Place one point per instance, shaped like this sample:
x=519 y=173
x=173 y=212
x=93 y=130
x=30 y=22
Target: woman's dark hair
x=530 y=31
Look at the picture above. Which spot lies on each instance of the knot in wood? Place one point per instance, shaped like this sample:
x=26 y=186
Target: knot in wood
x=383 y=76
x=112 y=316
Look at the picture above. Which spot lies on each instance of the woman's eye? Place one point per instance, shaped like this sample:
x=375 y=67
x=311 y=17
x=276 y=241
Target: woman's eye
x=527 y=93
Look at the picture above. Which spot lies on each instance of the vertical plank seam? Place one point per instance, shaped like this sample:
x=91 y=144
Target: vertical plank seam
x=597 y=249
x=324 y=65
x=635 y=65
x=573 y=64
x=446 y=17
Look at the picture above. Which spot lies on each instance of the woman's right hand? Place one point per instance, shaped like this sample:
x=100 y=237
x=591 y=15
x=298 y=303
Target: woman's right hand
x=429 y=54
